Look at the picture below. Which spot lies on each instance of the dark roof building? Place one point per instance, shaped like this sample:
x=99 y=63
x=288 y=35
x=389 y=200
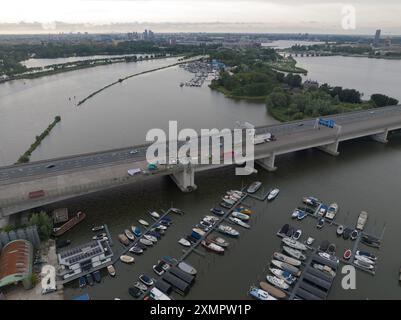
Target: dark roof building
x=16 y=261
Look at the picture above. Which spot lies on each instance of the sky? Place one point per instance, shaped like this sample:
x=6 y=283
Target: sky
x=320 y=16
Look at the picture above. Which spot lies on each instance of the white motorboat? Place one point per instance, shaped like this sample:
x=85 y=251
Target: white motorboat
x=366 y=254
x=239 y=215
x=239 y=222
x=228 y=230
x=184 y=242
x=364 y=265
x=154 y=214
x=363 y=217
x=254 y=187
x=327 y=256
x=294 y=244
x=146 y=242
x=150 y=238
x=310 y=241
x=273 y=194
x=294 y=253
x=143 y=222
x=260 y=294
x=129 y=234
x=286 y=267
x=286 y=259
x=332 y=211
x=279 y=283
x=212 y=246
x=295 y=214
x=364 y=259
x=286 y=276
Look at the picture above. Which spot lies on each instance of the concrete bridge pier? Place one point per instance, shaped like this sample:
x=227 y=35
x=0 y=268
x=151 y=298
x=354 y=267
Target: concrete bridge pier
x=268 y=163
x=185 y=179
x=331 y=149
x=381 y=137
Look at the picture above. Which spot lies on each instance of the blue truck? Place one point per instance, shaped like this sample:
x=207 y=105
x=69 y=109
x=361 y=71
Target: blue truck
x=327 y=122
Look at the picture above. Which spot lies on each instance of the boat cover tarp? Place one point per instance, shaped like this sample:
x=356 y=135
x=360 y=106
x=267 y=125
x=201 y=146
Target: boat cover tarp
x=317 y=281
x=314 y=290
x=182 y=275
x=163 y=286
x=177 y=283
x=306 y=295
x=321 y=274
x=324 y=261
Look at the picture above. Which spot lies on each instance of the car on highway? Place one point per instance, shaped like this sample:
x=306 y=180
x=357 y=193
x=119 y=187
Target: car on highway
x=49 y=166
x=133 y=152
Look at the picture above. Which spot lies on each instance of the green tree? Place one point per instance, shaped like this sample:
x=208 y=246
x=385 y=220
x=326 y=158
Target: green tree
x=44 y=224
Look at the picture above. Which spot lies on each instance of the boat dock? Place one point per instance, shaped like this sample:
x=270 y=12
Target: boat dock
x=133 y=243
x=106 y=230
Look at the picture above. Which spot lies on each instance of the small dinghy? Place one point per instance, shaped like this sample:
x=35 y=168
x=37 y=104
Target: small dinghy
x=212 y=246
x=111 y=270
x=239 y=222
x=294 y=253
x=98 y=228
x=136 y=250
x=260 y=294
x=310 y=241
x=347 y=254
x=129 y=234
x=146 y=242
x=340 y=230
x=354 y=234
x=279 y=283
x=154 y=214
x=184 y=242
x=127 y=259
x=136 y=231
x=143 y=222
x=297 y=234
x=286 y=259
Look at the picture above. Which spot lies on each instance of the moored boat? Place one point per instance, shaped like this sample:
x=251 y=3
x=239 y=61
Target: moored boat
x=255 y=186
x=143 y=222
x=98 y=228
x=129 y=235
x=294 y=244
x=275 y=292
x=286 y=267
x=150 y=238
x=136 y=249
x=327 y=256
x=79 y=217
x=286 y=259
x=184 y=242
x=320 y=223
x=347 y=254
x=277 y=282
x=273 y=194
x=146 y=280
x=340 y=230
x=140 y=286
x=370 y=241
x=212 y=246
x=82 y=282
x=217 y=211
x=127 y=259
x=154 y=214
x=346 y=233
x=324 y=268
x=354 y=234
x=301 y=215
x=228 y=230
x=177 y=211
x=364 y=265
x=187 y=268
x=284 y=275
x=260 y=294
x=111 y=270
x=364 y=259
x=123 y=239
x=366 y=254
x=218 y=240
x=297 y=234
x=146 y=242
x=239 y=222
x=239 y=215
x=136 y=231
x=332 y=211
x=362 y=219
x=294 y=253
x=310 y=241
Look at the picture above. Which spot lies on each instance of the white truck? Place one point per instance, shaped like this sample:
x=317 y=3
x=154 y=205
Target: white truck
x=262 y=138
x=135 y=171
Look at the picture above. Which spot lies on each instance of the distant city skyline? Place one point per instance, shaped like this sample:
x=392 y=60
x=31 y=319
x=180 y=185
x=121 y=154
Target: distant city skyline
x=313 y=16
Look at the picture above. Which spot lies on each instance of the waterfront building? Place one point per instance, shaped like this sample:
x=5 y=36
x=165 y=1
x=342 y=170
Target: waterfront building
x=376 y=41
x=84 y=258
x=16 y=261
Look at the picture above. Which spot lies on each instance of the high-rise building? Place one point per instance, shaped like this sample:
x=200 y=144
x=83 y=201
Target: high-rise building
x=376 y=41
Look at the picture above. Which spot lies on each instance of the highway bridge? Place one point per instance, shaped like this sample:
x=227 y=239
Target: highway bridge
x=35 y=184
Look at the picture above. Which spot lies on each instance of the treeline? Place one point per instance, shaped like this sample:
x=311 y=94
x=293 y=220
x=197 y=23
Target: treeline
x=38 y=140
